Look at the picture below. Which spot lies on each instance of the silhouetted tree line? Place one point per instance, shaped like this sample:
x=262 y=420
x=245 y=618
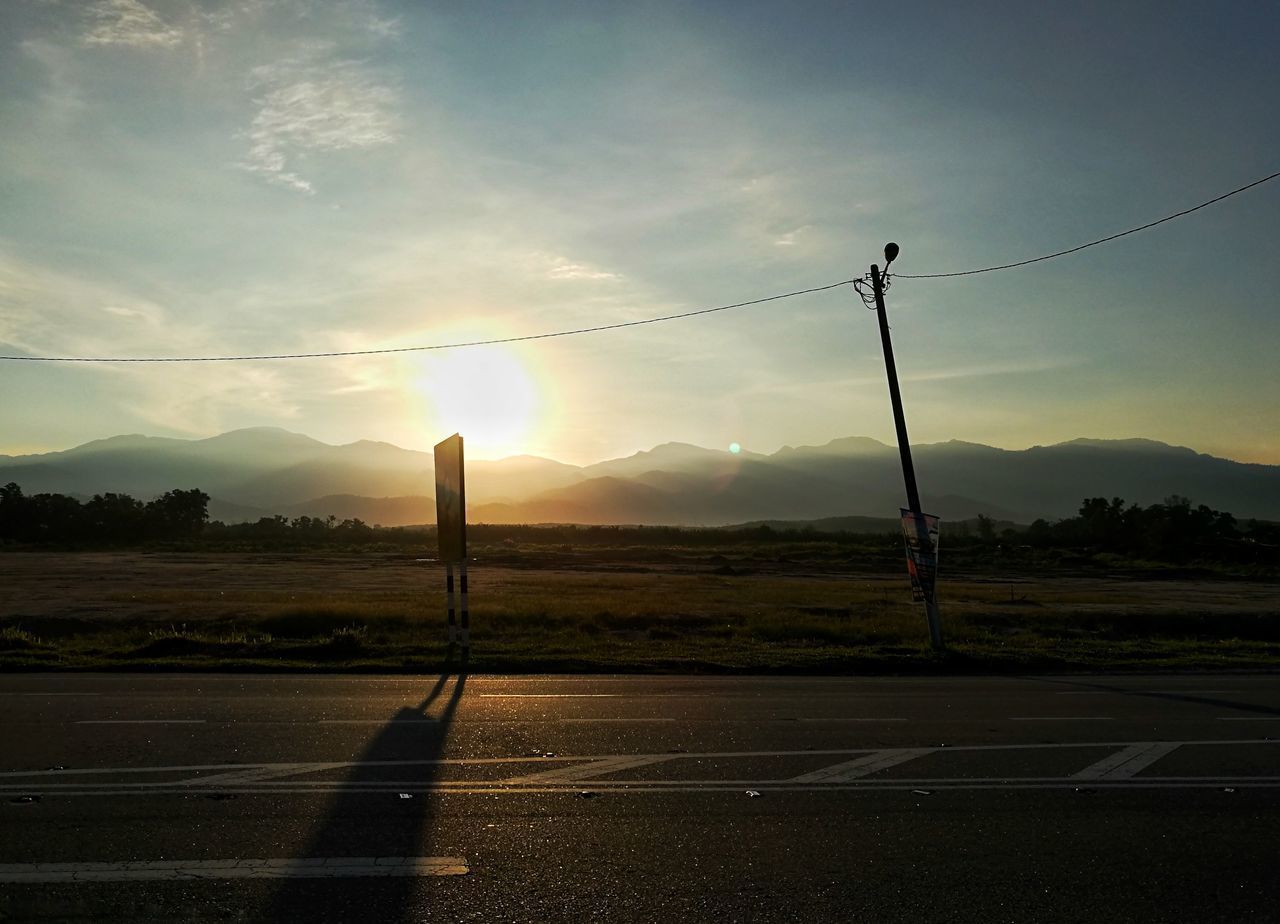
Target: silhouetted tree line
x=305 y=531
x=107 y=519
x=1173 y=531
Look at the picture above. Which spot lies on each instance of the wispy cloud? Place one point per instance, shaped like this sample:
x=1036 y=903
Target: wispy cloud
x=789 y=239
x=565 y=269
x=310 y=105
x=129 y=22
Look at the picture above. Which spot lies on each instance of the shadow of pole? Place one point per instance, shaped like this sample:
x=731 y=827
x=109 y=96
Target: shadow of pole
x=1170 y=695
x=377 y=824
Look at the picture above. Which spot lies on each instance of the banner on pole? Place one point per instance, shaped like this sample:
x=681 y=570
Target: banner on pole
x=921 y=533
x=451 y=500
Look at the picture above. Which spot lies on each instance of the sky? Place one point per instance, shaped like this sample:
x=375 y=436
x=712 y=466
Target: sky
x=184 y=178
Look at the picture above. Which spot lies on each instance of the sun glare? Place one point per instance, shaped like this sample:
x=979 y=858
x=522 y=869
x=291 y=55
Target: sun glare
x=485 y=393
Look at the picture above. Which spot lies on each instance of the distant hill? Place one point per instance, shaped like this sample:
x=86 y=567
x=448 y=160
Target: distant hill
x=268 y=471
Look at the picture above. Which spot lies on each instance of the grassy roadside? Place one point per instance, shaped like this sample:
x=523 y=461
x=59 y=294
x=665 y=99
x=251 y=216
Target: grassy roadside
x=340 y=639
x=353 y=613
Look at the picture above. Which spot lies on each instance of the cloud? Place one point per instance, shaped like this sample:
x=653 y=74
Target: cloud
x=564 y=269
x=789 y=239
x=313 y=105
x=129 y=22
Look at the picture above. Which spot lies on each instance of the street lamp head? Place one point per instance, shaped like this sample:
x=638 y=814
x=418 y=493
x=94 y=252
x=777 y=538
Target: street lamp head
x=890 y=253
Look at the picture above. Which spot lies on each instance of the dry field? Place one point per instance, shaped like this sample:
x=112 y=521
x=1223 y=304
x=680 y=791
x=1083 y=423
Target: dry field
x=670 y=612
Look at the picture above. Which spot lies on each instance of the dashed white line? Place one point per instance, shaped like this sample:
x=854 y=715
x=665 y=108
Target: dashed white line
x=1249 y=718
x=141 y=722
x=850 y=719
x=1060 y=718
x=266 y=868
x=550 y=695
x=575 y=721
x=391 y=723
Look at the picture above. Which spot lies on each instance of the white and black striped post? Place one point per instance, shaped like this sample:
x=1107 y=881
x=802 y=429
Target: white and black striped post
x=448 y=583
x=466 y=615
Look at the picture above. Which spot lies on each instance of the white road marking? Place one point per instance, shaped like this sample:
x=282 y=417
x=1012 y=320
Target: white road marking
x=549 y=695
x=847 y=719
x=609 y=720
x=387 y=722
x=1060 y=718
x=862 y=766
x=1187 y=692
x=50 y=694
x=1126 y=763
x=188 y=769
x=260 y=774
x=1249 y=718
x=593 y=768
x=730 y=786
x=141 y=722
x=278 y=868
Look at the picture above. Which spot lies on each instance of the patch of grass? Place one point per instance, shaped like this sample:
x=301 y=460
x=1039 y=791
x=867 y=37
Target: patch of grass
x=15 y=638
x=664 y=610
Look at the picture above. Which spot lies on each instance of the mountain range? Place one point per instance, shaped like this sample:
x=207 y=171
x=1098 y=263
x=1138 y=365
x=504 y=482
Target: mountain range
x=260 y=472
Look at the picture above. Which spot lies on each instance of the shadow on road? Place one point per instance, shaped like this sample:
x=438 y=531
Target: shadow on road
x=1170 y=695
x=378 y=823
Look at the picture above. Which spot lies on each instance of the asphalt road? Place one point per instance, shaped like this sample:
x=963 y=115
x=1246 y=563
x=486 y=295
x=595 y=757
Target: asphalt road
x=202 y=797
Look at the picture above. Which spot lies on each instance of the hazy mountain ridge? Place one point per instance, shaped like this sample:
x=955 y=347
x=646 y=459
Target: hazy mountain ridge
x=268 y=471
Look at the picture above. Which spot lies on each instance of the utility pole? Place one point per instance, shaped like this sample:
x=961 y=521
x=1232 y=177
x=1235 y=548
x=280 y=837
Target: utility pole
x=904 y=445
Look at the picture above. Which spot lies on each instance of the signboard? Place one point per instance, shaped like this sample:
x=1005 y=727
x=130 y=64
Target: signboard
x=451 y=500
x=921 y=533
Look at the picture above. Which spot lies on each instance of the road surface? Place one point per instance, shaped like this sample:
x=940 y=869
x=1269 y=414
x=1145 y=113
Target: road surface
x=303 y=797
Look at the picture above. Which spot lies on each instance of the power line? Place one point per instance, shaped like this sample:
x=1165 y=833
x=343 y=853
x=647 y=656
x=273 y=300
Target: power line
x=622 y=324
x=417 y=349
x=1101 y=240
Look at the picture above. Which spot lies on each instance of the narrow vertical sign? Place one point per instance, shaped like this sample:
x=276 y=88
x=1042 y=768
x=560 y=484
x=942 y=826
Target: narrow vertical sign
x=921 y=533
x=451 y=500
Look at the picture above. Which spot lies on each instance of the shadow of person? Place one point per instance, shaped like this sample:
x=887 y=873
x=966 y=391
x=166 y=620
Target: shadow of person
x=369 y=818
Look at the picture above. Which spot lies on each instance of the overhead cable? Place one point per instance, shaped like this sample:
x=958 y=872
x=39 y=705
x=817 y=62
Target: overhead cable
x=603 y=327
x=418 y=349
x=1101 y=240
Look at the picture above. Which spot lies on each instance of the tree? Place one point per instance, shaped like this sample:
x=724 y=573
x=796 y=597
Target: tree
x=178 y=514
x=13 y=513
x=114 y=518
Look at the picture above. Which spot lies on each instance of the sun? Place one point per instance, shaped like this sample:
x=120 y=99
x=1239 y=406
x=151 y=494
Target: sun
x=486 y=393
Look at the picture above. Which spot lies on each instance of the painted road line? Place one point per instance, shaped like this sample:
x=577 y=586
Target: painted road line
x=388 y=722
x=719 y=786
x=1187 y=692
x=845 y=719
x=571 y=721
x=50 y=694
x=549 y=695
x=188 y=769
x=1124 y=764
x=1060 y=718
x=278 y=868
x=1249 y=718
x=862 y=766
x=141 y=722
x=260 y=774
x=594 y=768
